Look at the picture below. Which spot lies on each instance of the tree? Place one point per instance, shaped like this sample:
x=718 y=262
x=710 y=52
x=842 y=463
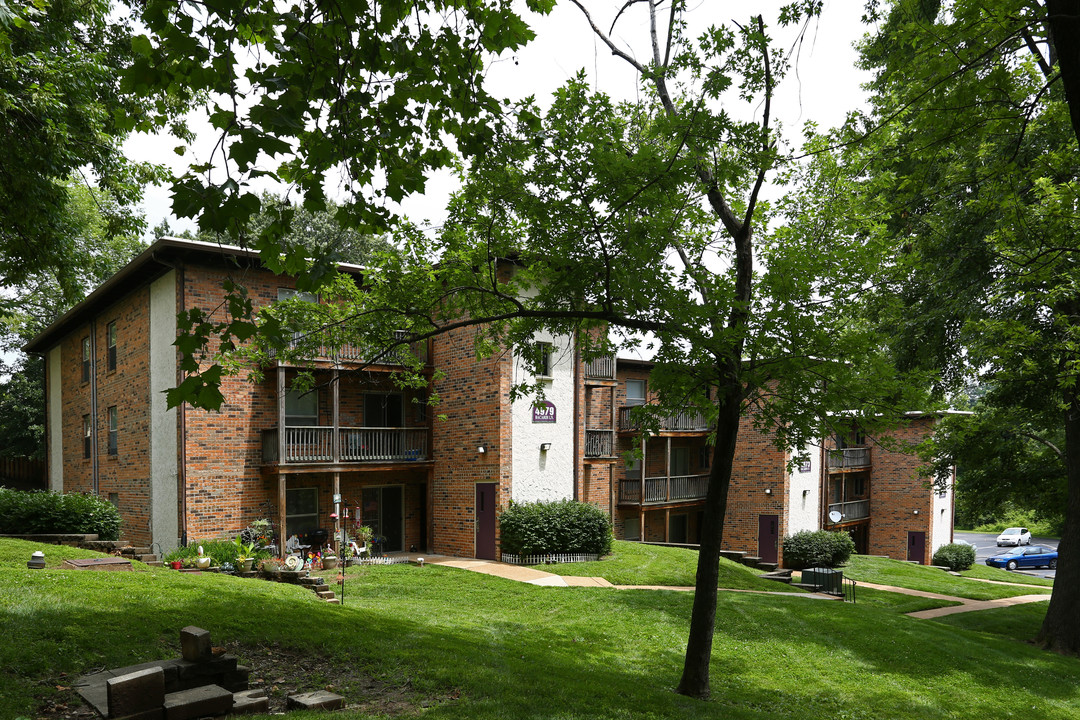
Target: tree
x=597 y=221
x=63 y=116
x=970 y=171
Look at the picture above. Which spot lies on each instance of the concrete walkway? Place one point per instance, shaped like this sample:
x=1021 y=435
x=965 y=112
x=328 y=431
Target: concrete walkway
x=547 y=579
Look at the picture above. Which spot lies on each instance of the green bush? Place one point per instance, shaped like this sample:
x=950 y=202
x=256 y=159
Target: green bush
x=955 y=556
x=817 y=548
x=562 y=526
x=38 y=512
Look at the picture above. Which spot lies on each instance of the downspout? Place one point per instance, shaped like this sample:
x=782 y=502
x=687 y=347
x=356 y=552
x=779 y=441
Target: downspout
x=93 y=407
x=579 y=386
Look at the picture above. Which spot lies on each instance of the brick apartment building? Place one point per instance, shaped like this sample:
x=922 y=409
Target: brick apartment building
x=436 y=485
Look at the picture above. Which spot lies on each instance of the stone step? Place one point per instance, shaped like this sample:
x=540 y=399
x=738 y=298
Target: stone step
x=333 y=601
x=735 y=555
x=750 y=560
x=783 y=576
x=326 y=594
x=770 y=566
x=320 y=588
x=806 y=586
x=146 y=558
x=154 y=563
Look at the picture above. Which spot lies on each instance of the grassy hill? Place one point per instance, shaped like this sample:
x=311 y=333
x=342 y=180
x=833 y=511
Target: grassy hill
x=455 y=644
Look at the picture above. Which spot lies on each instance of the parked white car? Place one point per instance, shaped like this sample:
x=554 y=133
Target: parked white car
x=1014 y=536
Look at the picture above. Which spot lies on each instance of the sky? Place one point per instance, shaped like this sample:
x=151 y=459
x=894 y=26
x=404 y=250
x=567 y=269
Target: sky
x=822 y=86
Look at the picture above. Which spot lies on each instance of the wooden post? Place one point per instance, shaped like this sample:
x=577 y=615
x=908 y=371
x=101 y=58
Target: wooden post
x=281 y=418
x=282 y=537
x=667 y=476
x=335 y=441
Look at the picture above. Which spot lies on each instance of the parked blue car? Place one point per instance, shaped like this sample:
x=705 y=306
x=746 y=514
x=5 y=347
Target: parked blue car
x=1019 y=557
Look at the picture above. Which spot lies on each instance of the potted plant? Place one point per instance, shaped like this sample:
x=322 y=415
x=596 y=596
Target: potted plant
x=245 y=554
x=176 y=564
x=329 y=559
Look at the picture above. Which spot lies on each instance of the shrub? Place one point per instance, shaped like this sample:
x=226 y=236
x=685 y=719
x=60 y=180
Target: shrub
x=38 y=512
x=955 y=556
x=562 y=526
x=817 y=548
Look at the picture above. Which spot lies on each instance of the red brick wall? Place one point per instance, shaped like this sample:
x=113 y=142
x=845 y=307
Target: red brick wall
x=127 y=473
x=897 y=490
x=474 y=398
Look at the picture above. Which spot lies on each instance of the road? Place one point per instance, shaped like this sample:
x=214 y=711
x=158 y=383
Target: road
x=985 y=547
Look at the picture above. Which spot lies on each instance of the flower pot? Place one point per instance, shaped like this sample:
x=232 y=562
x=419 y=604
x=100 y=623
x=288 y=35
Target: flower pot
x=203 y=563
x=176 y=564
x=246 y=564
x=329 y=562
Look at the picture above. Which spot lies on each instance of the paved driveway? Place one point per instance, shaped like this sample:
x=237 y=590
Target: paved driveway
x=985 y=547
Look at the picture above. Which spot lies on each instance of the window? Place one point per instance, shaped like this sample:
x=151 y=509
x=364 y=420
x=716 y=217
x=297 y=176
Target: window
x=88 y=436
x=633 y=467
x=421 y=409
x=86 y=359
x=635 y=392
x=301 y=511
x=632 y=528
x=383 y=411
x=110 y=342
x=301 y=407
x=542 y=359
x=114 y=498
x=680 y=461
x=704 y=456
x=112 y=430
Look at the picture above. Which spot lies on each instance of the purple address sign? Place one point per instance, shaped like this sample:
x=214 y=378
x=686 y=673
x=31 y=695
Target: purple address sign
x=544 y=412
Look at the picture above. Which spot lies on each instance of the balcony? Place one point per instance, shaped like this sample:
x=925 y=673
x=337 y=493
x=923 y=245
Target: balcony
x=600 y=369
x=315 y=445
x=599 y=443
x=660 y=490
x=686 y=421
x=849 y=459
x=350 y=353
x=850 y=511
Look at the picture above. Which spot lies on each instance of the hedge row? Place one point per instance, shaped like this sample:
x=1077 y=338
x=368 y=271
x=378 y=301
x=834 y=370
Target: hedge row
x=38 y=512
x=563 y=526
x=817 y=548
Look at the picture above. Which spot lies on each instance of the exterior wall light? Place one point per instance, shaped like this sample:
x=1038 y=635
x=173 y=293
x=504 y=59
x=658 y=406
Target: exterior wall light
x=768 y=491
x=544 y=447
x=916 y=512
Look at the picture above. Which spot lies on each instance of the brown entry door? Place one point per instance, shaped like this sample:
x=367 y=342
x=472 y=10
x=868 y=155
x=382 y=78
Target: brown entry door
x=768 y=537
x=916 y=547
x=485 y=521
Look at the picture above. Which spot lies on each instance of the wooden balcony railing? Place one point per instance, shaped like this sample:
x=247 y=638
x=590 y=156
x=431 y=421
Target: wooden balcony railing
x=362 y=354
x=315 y=444
x=849 y=458
x=678 y=488
x=687 y=421
x=854 y=510
x=599 y=443
x=600 y=369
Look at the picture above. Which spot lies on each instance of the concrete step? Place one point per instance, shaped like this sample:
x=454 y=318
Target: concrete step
x=326 y=594
x=750 y=561
x=783 y=576
x=770 y=566
x=154 y=563
x=146 y=558
x=734 y=555
x=333 y=601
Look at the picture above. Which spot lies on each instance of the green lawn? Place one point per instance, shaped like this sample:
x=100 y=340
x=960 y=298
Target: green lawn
x=464 y=645
x=897 y=573
x=992 y=573
x=633 y=563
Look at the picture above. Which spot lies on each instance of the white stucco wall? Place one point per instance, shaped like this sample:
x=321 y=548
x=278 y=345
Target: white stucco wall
x=545 y=475
x=941 y=527
x=55 y=421
x=804 y=495
x=164 y=500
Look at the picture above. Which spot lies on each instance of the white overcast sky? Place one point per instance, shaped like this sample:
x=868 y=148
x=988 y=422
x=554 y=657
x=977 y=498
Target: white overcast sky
x=822 y=86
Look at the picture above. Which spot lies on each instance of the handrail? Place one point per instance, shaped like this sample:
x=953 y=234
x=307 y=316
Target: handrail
x=852 y=510
x=314 y=444
x=601 y=368
x=677 y=488
x=599 y=443
x=682 y=421
x=844 y=458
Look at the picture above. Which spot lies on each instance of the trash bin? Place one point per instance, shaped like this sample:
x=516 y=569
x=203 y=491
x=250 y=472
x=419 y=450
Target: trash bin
x=826 y=580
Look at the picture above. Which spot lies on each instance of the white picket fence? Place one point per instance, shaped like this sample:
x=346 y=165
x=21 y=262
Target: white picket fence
x=547 y=559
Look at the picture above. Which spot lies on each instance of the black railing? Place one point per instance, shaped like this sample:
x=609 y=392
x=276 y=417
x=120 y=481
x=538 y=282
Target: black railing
x=599 y=443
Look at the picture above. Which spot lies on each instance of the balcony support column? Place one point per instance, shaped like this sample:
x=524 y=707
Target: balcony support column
x=335 y=439
x=667 y=478
x=282 y=537
x=336 y=544
x=281 y=420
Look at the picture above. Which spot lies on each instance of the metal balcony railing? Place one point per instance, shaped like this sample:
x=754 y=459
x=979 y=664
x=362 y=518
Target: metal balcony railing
x=314 y=444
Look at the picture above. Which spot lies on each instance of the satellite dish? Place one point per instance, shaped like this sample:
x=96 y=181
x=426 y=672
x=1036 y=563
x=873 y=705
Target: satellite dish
x=835 y=516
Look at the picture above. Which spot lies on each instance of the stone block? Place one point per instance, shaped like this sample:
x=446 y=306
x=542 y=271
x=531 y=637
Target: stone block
x=157 y=713
x=195 y=644
x=317 y=700
x=135 y=692
x=250 y=701
x=198 y=702
x=237 y=680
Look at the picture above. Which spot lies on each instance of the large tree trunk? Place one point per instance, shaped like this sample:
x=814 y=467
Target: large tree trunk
x=695 y=677
x=1061 y=627
x=1063 y=17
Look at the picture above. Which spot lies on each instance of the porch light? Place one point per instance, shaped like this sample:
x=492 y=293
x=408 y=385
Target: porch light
x=544 y=447
x=768 y=491
x=916 y=512
x=481 y=449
